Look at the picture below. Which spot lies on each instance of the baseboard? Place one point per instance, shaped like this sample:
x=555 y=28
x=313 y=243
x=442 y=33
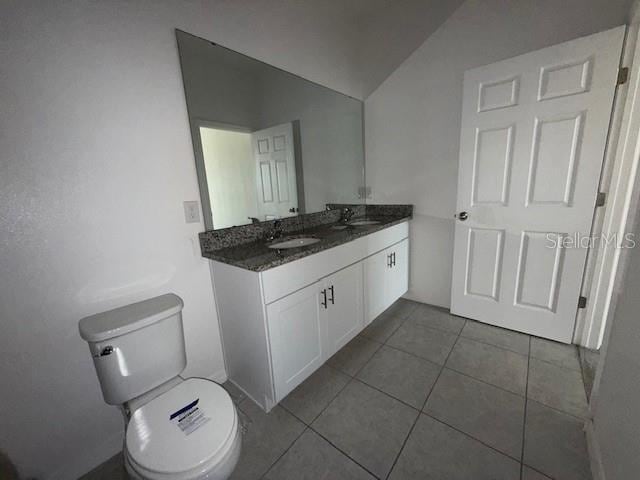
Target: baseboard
x=89 y=460
x=595 y=457
x=219 y=377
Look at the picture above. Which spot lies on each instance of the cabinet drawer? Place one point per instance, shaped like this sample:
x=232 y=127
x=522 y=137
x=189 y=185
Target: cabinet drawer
x=280 y=281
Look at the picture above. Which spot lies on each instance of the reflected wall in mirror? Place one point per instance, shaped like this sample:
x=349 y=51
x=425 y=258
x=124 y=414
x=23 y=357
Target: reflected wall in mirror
x=268 y=144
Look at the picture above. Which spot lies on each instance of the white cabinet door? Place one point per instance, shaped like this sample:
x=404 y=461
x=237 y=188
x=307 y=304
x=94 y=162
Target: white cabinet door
x=296 y=334
x=386 y=278
x=398 y=275
x=375 y=271
x=344 y=307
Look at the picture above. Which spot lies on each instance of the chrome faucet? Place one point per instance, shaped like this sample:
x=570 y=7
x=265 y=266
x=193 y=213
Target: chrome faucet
x=346 y=215
x=254 y=220
x=274 y=232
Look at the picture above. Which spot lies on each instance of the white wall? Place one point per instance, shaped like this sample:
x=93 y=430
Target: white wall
x=96 y=159
x=412 y=121
x=616 y=418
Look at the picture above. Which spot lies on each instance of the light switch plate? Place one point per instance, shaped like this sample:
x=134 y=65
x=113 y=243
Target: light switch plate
x=191 y=211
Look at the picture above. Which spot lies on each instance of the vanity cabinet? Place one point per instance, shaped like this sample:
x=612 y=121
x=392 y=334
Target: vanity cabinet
x=308 y=326
x=279 y=325
x=386 y=278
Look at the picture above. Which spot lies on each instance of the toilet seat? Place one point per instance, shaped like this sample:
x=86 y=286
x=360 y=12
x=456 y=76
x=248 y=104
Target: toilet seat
x=183 y=433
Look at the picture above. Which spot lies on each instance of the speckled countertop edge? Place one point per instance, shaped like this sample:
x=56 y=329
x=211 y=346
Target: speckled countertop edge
x=267 y=259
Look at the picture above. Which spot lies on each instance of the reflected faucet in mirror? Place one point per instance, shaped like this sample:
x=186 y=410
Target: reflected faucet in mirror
x=274 y=232
x=345 y=215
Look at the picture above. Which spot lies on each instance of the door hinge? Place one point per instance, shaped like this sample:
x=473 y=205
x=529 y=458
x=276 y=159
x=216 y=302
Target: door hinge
x=623 y=75
x=582 y=302
x=601 y=199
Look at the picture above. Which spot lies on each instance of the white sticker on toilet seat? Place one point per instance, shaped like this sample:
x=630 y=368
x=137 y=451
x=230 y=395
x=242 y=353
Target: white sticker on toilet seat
x=189 y=418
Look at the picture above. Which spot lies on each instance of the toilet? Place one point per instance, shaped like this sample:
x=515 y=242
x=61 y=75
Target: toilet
x=182 y=429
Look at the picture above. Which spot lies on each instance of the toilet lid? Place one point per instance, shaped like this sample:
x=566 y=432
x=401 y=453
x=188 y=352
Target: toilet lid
x=182 y=428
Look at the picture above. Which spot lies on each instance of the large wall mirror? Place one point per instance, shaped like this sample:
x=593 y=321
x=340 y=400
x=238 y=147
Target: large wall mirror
x=268 y=144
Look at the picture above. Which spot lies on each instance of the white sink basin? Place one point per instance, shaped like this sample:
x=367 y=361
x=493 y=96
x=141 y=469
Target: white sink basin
x=364 y=222
x=295 y=243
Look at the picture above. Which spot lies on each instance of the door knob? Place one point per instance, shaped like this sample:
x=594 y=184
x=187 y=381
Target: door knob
x=462 y=216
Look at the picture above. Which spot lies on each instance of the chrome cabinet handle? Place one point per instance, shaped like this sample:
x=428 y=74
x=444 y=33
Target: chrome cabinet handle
x=389 y=261
x=393 y=259
x=324 y=298
x=462 y=216
x=333 y=296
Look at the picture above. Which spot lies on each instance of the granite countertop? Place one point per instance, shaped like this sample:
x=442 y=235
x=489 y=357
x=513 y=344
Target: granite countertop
x=257 y=256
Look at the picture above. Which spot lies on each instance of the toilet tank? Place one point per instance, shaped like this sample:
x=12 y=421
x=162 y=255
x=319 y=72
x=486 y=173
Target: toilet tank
x=137 y=347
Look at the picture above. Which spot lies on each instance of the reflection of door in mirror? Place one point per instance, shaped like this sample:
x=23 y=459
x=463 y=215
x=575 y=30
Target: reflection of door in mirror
x=231 y=175
x=275 y=172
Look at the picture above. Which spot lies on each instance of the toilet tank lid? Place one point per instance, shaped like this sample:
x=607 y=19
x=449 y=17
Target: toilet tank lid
x=122 y=320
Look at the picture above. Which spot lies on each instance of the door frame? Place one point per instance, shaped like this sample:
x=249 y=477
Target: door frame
x=201 y=171
x=619 y=182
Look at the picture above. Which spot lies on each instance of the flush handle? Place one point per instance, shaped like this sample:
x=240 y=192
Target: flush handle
x=108 y=350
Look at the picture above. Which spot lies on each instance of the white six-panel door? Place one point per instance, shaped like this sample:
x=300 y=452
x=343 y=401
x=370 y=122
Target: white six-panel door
x=533 y=136
x=273 y=150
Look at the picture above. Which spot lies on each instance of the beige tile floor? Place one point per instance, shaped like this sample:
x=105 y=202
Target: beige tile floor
x=422 y=394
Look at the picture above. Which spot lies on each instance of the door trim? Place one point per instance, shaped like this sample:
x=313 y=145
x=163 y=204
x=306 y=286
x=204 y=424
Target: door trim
x=619 y=181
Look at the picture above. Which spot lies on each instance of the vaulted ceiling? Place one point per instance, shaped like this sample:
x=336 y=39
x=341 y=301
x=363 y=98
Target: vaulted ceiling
x=388 y=31
x=362 y=40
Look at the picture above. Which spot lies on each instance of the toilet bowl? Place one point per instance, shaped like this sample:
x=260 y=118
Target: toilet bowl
x=190 y=432
x=176 y=429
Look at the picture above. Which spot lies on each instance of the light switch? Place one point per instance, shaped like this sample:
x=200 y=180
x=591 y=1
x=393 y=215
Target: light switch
x=191 y=212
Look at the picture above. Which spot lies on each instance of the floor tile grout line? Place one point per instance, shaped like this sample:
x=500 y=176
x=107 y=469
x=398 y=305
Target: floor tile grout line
x=404 y=443
x=494 y=345
x=286 y=450
x=343 y=452
x=350 y=379
x=557 y=410
x=402 y=322
x=434 y=327
x=524 y=417
x=308 y=425
x=501 y=347
x=332 y=400
x=415 y=422
x=538 y=471
x=466 y=434
x=411 y=354
x=424 y=404
x=439 y=330
x=548 y=362
x=484 y=381
x=386 y=393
